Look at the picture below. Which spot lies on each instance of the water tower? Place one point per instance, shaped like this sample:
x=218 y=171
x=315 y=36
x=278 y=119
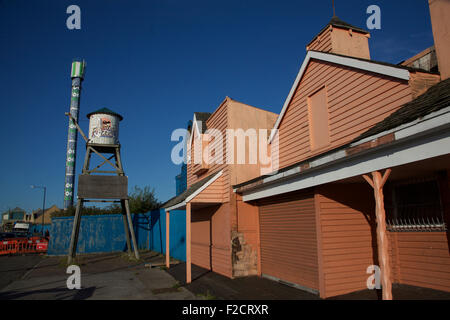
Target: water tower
x=96 y=185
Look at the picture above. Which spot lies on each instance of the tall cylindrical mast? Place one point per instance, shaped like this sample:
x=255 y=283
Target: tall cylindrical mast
x=77 y=75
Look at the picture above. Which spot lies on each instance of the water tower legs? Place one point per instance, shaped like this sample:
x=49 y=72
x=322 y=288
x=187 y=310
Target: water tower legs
x=97 y=187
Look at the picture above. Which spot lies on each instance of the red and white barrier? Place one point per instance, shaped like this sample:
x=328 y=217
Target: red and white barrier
x=23 y=245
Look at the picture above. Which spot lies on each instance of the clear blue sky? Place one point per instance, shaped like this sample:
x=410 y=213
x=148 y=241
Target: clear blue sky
x=156 y=62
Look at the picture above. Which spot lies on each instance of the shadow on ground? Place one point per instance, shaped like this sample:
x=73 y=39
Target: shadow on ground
x=215 y=286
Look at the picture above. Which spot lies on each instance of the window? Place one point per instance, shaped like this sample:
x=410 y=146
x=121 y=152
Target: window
x=416 y=206
x=318 y=119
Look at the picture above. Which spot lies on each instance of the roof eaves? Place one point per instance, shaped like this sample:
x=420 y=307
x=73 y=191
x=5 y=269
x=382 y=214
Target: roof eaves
x=436 y=119
x=190 y=191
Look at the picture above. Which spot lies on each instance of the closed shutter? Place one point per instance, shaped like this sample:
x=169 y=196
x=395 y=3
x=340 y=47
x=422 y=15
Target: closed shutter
x=288 y=239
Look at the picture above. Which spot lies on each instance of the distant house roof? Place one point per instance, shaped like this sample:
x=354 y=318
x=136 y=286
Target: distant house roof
x=191 y=191
x=105 y=111
x=435 y=98
x=38 y=212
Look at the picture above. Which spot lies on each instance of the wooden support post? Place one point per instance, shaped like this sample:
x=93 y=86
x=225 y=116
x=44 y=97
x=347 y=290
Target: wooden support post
x=75 y=231
x=377 y=182
x=126 y=227
x=87 y=158
x=188 y=242
x=130 y=226
x=167 y=239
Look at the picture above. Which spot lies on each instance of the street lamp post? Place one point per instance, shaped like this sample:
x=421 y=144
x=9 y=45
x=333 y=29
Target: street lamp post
x=43 y=205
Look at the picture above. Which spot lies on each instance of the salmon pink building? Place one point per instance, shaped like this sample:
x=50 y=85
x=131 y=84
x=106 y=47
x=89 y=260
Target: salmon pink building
x=362 y=178
x=217 y=238
x=364 y=156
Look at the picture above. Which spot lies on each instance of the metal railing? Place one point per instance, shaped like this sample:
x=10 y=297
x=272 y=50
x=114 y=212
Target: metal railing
x=416 y=224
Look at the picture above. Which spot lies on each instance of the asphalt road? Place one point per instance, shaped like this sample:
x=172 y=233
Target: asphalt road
x=13 y=268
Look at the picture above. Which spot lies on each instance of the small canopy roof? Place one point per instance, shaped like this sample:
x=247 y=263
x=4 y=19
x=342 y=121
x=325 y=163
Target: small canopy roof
x=105 y=111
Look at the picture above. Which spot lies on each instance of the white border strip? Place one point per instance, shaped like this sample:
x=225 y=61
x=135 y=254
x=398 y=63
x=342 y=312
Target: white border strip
x=387 y=158
x=399 y=73
x=178 y=205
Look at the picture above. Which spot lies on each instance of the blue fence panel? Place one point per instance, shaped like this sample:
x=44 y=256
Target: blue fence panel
x=37 y=228
x=105 y=233
x=177 y=234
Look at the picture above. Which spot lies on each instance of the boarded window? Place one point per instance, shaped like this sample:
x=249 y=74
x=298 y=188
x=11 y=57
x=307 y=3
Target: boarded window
x=318 y=119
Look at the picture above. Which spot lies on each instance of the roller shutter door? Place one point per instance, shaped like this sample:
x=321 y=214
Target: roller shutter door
x=288 y=239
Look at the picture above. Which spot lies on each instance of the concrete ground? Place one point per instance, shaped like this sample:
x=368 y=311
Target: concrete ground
x=103 y=276
x=12 y=268
x=113 y=276
x=214 y=286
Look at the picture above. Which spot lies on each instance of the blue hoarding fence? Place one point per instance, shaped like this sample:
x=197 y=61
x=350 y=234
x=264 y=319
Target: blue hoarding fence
x=105 y=233
x=37 y=228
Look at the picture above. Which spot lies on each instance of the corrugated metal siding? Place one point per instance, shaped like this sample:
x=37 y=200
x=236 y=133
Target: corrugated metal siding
x=105 y=233
x=357 y=100
x=288 y=238
x=348 y=239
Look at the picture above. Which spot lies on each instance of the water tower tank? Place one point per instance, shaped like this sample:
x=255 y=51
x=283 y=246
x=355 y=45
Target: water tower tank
x=104 y=126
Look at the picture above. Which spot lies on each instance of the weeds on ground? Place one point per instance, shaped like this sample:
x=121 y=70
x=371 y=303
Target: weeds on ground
x=177 y=286
x=129 y=258
x=206 y=296
x=64 y=263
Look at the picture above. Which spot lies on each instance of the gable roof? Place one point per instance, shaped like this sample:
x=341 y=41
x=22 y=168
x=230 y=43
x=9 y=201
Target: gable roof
x=395 y=71
x=336 y=22
x=434 y=99
x=202 y=117
x=199 y=120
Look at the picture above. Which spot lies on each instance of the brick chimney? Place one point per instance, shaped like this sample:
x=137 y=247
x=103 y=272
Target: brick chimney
x=342 y=38
x=440 y=22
